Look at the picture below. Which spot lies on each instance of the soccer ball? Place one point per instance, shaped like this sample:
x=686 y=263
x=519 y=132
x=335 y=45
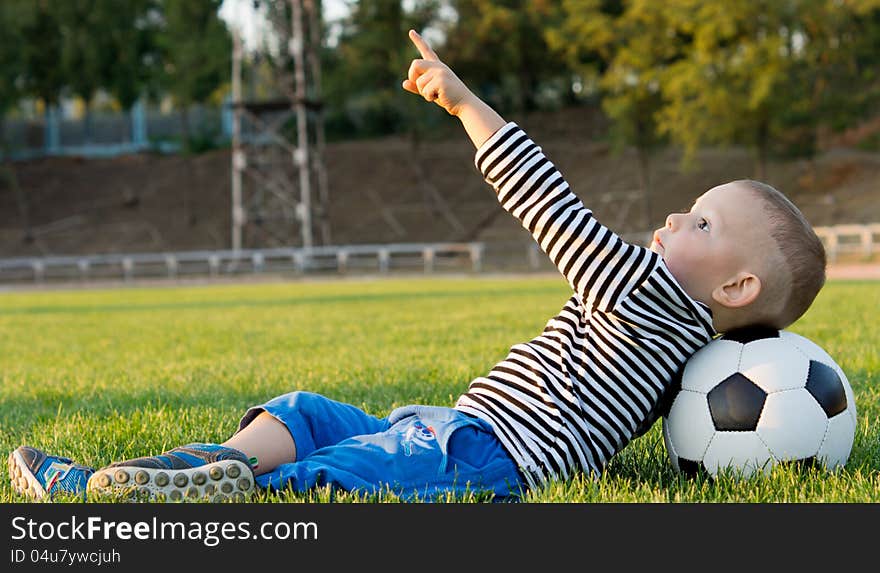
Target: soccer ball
x=757 y=397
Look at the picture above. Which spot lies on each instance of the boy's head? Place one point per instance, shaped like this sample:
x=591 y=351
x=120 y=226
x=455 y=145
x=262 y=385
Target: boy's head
x=747 y=252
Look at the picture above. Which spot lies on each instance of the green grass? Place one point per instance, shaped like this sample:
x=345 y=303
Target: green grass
x=104 y=375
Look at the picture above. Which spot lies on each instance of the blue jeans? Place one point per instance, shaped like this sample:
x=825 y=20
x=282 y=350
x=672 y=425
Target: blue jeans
x=417 y=452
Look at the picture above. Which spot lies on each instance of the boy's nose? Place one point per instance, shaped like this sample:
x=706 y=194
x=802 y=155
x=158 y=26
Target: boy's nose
x=672 y=221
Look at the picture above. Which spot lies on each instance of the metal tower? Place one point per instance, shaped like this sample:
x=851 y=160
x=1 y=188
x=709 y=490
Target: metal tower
x=279 y=182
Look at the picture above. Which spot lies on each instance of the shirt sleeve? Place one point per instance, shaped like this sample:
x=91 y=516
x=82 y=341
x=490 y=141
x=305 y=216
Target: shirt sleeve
x=598 y=264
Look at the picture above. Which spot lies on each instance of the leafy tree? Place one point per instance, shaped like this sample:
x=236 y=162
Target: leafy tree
x=733 y=86
x=195 y=53
x=834 y=69
x=11 y=65
x=500 y=46
x=41 y=52
x=129 y=65
x=12 y=15
x=373 y=53
x=82 y=50
x=629 y=48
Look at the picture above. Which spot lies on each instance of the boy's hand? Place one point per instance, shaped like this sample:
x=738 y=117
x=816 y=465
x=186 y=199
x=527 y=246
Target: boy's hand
x=433 y=80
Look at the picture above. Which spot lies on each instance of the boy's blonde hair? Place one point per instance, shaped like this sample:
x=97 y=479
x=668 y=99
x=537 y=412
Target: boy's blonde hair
x=790 y=293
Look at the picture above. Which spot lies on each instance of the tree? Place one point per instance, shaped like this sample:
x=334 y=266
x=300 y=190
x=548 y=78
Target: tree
x=11 y=64
x=41 y=52
x=12 y=14
x=628 y=47
x=733 y=86
x=373 y=54
x=81 y=50
x=128 y=38
x=196 y=51
x=503 y=43
x=834 y=69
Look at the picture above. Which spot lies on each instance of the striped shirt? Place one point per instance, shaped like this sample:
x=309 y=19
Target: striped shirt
x=575 y=395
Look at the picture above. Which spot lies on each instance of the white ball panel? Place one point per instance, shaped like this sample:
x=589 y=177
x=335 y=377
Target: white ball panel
x=838 y=441
x=710 y=365
x=774 y=365
x=792 y=425
x=689 y=425
x=670 y=447
x=816 y=352
x=850 y=399
x=812 y=350
x=742 y=451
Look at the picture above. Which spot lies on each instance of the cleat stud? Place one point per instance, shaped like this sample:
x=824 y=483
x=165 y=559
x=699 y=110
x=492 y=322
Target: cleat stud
x=192 y=492
x=215 y=473
x=121 y=476
x=226 y=487
x=199 y=478
x=162 y=479
x=175 y=495
x=141 y=477
x=104 y=480
x=244 y=484
x=180 y=480
x=209 y=489
x=233 y=471
x=219 y=498
x=238 y=497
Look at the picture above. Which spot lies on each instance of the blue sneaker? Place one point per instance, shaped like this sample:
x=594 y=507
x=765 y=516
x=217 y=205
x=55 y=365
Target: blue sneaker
x=37 y=475
x=193 y=471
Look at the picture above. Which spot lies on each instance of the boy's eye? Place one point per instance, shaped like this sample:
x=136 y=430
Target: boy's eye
x=703 y=224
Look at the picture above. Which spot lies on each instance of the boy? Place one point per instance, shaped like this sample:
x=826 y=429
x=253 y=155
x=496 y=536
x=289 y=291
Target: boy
x=565 y=401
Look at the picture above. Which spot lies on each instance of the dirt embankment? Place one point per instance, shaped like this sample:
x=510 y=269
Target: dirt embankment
x=380 y=191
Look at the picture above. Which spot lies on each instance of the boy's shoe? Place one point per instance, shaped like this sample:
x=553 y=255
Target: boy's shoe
x=38 y=475
x=193 y=471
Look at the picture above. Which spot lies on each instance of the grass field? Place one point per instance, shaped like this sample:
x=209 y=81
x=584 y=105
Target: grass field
x=103 y=375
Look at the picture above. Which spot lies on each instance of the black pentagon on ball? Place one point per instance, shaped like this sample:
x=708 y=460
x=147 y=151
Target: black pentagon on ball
x=692 y=469
x=748 y=334
x=664 y=405
x=826 y=387
x=802 y=464
x=736 y=403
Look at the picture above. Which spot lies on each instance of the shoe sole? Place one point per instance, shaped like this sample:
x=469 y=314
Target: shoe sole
x=23 y=480
x=226 y=480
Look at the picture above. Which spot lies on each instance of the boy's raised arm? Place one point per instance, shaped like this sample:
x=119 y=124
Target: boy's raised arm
x=434 y=81
x=599 y=266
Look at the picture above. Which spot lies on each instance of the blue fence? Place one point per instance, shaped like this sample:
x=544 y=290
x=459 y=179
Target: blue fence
x=108 y=134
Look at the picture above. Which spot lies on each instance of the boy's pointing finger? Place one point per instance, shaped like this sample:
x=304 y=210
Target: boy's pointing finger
x=423 y=47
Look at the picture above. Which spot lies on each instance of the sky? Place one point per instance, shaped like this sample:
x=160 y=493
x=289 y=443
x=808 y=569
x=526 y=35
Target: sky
x=241 y=13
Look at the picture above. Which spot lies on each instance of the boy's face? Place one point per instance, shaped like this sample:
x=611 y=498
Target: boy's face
x=719 y=237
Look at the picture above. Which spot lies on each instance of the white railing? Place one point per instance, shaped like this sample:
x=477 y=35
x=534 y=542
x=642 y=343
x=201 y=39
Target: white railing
x=842 y=242
x=339 y=259
x=852 y=241
x=855 y=242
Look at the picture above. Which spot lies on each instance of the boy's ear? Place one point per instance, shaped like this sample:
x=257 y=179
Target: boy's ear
x=738 y=291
